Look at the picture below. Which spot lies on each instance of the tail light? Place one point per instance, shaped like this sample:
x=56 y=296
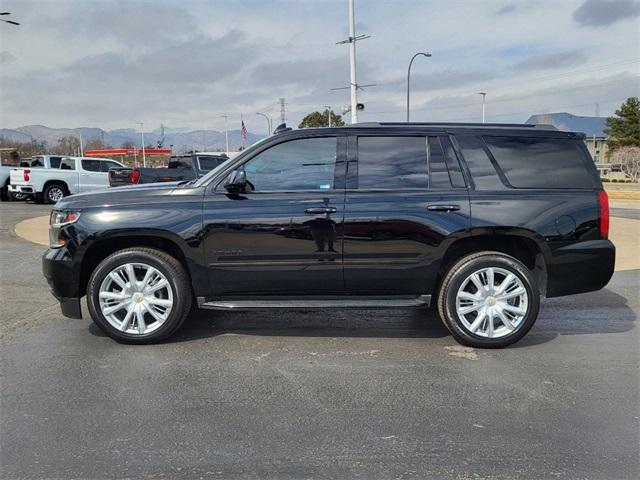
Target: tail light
x=603 y=201
x=25 y=174
x=135 y=176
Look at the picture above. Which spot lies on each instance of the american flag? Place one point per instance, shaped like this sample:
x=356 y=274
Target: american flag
x=243 y=129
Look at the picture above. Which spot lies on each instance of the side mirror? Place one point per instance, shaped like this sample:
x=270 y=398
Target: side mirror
x=236 y=181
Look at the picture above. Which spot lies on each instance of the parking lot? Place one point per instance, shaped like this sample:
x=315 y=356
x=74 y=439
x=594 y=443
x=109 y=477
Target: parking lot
x=316 y=394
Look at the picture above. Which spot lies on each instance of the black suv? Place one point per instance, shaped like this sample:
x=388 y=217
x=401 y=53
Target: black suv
x=477 y=220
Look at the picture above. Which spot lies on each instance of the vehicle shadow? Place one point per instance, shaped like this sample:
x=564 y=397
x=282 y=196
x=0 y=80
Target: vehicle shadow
x=602 y=312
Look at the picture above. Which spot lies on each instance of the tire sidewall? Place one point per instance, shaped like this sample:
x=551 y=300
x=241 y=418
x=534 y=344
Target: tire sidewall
x=51 y=187
x=177 y=312
x=460 y=275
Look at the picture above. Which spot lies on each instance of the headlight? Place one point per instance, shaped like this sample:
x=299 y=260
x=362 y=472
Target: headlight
x=57 y=220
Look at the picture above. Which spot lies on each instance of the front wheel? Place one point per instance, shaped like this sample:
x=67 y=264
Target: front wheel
x=488 y=300
x=139 y=295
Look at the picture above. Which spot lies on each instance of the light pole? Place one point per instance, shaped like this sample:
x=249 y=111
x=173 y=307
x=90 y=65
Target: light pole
x=268 y=118
x=226 y=134
x=144 y=156
x=427 y=54
x=484 y=95
x=328 y=107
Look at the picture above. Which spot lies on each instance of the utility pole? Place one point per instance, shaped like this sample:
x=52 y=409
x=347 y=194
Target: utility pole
x=144 y=156
x=352 y=62
x=484 y=96
x=353 y=82
x=226 y=133
x=81 y=148
x=282 y=116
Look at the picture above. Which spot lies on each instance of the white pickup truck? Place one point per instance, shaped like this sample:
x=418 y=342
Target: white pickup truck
x=73 y=175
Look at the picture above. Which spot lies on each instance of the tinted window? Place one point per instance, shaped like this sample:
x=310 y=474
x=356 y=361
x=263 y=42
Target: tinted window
x=68 y=164
x=305 y=164
x=438 y=174
x=529 y=162
x=105 y=165
x=37 y=162
x=177 y=162
x=392 y=162
x=453 y=165
x=484 y=174
x=91 y=165
x=55 y=162
x=209 y=163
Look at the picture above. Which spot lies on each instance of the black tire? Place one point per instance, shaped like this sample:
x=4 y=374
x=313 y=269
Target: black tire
x=174 y=272
x=52 y=188
x=459 y=272
x=4 y=193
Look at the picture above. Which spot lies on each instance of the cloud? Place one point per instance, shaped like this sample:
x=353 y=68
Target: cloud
x=600 y=13
x=6 y=57
x=553 y=60
x=508 y=8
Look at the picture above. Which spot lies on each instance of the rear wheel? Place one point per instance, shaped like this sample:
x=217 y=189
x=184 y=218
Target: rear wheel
x=139 y=295
x=488 y=300
x=54 y=192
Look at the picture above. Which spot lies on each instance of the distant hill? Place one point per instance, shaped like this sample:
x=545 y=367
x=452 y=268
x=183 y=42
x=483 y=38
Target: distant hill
x=590 y=126
x=181 y=138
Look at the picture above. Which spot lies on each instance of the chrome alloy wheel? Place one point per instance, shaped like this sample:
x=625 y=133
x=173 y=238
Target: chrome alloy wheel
x=55 y=194
x=492 y=302
x=136 y=298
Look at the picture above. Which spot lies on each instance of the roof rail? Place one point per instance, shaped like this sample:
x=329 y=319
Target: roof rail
x=451 y=124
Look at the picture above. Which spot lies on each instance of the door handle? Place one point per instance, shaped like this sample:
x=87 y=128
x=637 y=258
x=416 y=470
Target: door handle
x=443 y=208
x=320 y=210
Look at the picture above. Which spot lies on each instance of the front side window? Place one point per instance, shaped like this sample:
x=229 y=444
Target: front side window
x=106 y=165
x=304 y=164
x=91 y=165
x=392 y=162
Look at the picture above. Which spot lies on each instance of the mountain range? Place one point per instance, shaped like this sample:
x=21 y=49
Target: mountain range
x=182 y=139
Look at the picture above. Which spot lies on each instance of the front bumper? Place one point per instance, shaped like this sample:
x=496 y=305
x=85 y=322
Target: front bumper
x=580 y=267
x=21 y=189
x=62 y=276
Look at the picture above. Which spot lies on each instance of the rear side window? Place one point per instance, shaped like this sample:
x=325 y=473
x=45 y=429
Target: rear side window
x=55 y=162
x=392 y=162
x=209 y=163
x=530 y=162
x=91 y=165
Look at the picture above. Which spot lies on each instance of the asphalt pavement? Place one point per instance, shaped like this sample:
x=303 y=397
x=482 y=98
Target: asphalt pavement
x=314 y=394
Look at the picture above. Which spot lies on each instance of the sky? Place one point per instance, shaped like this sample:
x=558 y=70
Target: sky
x=110 y=63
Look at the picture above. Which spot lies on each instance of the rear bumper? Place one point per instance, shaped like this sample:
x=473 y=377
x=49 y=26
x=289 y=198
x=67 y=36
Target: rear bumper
x=580 y=267
x=62 y=277
x=22 y=189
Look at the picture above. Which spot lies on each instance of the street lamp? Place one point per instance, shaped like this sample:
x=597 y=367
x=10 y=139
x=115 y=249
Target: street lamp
x=268 y=118
x=328 y=107
x=144 y=157
x=226 y=134
x=484 y=95
x=427 y=54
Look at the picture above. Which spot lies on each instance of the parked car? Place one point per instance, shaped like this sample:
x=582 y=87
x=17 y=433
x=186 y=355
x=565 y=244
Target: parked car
x=179 y=168
x=72 y=175
x=38 y=161
x=478 y=221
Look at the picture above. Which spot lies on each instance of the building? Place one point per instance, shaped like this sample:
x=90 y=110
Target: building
x=592 y=127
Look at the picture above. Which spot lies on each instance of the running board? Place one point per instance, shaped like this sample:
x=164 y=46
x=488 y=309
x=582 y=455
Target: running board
x=335 y=302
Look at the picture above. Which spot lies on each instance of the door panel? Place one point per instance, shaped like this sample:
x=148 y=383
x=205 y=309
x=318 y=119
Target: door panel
x=274 y=243
x=282 y=236
x=393 y=237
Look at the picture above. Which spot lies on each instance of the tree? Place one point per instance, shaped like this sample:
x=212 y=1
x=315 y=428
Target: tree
x=628 y=158
x=321 y=119
x=129 y=145
x=623 y=130
x=67 y=145
x=95 y=144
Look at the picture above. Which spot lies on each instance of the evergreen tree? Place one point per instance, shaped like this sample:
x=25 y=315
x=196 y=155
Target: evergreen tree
x=623 y=129
x=321 y=119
